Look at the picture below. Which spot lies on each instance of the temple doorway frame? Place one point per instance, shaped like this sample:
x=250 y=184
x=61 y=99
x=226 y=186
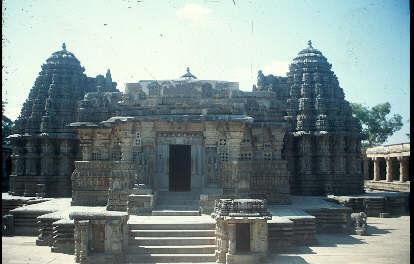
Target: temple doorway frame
x=179 y=168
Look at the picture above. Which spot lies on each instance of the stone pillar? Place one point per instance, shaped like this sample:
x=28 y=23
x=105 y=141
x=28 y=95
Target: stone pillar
x=232 y=238
x=259 y=241
x=222 y=241
x=86 y=148
x=366 y=169
x=113 y=236
x=403 y=168
x=390 y=175
x=82 y=240
x=376 y=168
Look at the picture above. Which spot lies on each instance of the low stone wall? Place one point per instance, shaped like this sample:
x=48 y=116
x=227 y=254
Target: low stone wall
x=45 y=225
x=388 y=186
x=391 y=203
x=100 y=236
x=285 y=232
x=281 y=234
x=304 y=230
x=63 y=236
x=331 y=220
x=140 y=204
x=207 y=201
x=25 y=222
x=10 y=202
x=103 y=258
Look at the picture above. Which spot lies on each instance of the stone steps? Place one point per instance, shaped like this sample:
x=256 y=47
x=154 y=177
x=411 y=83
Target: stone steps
x=172 y=233
x=170 y=258
x=172 y=226
x=197 y=249
x=25 y=222
x=177 y=202
x=171 y=242
x=168 y=212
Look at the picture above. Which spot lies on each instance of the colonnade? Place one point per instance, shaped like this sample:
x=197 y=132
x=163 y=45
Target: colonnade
x=389 y=154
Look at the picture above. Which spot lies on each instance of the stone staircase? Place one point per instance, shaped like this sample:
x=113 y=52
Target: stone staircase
x=177 y=203
x=171 y=243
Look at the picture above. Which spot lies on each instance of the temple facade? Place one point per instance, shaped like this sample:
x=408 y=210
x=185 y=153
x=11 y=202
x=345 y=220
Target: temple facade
x=80 y=136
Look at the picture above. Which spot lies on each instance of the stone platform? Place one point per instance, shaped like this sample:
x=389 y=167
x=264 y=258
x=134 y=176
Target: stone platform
x=10 y=202
x=373 y=203
x=396 y=186
x=187 y=238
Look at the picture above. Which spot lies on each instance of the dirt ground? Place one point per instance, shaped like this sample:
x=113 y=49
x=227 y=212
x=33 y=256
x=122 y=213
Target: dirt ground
x=388 y=242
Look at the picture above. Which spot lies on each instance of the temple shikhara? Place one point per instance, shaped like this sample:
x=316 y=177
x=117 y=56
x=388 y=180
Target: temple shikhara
x=105 y=159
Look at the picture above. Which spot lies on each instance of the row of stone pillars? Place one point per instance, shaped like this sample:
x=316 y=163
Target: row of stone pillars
x=403 y=162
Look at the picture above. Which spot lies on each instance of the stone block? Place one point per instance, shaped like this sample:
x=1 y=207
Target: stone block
x=140 y=204
x=7 y=225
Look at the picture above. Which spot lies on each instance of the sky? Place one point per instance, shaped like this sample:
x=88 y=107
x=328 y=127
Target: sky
x=367 y=42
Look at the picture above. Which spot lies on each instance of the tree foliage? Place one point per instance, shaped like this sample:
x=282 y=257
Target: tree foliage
x=376 y=127
x=6 y=125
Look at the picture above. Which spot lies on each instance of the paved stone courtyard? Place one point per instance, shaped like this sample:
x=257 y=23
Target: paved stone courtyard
x=388 y=242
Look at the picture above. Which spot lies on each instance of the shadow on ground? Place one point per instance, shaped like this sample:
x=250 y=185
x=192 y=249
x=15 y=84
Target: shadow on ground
x=333 y=240
x=287 y=260
x=372 y=230
x=295 y=250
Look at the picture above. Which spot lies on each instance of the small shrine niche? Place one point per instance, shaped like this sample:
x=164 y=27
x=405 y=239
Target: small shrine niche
x=241 y=230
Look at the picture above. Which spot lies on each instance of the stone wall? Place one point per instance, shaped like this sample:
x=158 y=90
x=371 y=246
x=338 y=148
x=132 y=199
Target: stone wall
x=235 y=156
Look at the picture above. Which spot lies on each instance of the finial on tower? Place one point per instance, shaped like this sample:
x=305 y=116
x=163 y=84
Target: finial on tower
x=188 y=75
x=108 y=74
x=64 y=46
x=310 y=44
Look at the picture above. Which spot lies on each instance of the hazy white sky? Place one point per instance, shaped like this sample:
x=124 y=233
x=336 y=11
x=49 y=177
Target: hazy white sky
x=367 y=42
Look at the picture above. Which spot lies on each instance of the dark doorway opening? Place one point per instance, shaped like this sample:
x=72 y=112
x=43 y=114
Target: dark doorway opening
x=242 y=238
x=98 y=241
x=180 y=168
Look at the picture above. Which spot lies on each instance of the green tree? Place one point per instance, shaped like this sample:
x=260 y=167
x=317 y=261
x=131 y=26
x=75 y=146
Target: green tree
x=376 y=127
x=6 y=124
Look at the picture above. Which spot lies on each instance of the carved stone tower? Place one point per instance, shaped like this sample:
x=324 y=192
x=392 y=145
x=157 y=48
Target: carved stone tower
x=323 y=145
x=44 y=147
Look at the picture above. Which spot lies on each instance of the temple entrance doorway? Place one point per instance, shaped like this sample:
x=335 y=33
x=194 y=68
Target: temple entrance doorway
x=180 y=168
x=242 y=238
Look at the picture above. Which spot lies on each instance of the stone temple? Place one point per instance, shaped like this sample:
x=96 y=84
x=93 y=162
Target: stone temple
x=184 y=146
x=293 y=134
